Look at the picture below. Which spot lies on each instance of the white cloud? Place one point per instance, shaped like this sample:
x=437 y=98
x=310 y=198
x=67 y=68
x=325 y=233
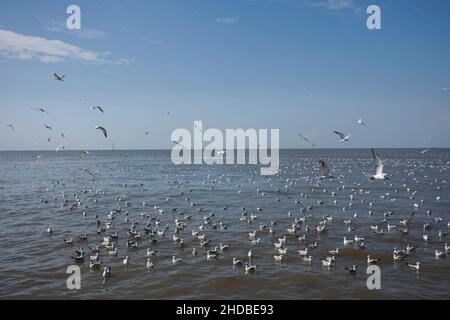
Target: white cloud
x=18 y=46
x=332 y=5
x=83 y=33
x=228 y=20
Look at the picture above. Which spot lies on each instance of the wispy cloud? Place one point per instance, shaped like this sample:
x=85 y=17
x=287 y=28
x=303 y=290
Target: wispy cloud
x=83 y=33
x=332 y=5
x=18 y=46
x=228 y=20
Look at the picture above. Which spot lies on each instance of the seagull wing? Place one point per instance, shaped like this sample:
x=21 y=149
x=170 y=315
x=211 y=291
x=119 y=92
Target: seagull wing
x=101 y=110
x=303 y=137
x=105 y=133
x=324 y=168
x=88 y=172
x=340 y=134
x=378 y=161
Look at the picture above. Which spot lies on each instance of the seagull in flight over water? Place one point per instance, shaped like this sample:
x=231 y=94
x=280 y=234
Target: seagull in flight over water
x=40 y=109
x=379 y=175
x=98 y=108
x=105 y=133
x=58 y=77
x=361 y=122
x=342 y=136
x=325 y=173
x=303 y=137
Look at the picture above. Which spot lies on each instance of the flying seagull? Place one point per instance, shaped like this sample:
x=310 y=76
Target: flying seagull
x=303 y=137
x=342 y=136
x=88 y=172
x=48 y=127
x=379 y=175
x=40 y=109
x=98 y=108
x=58 y=77
x=361 y=122
x=11 y=126
x=446 y=89
x=147 y=133
x=424 y=151
x=105 y=133
x=325 y=173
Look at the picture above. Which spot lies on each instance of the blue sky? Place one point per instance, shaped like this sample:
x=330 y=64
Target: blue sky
x=297 y=65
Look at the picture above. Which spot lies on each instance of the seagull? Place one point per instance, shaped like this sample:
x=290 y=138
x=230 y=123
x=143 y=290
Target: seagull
x=105 y=133
x=125 y=261
x=414 y=266
x=361 y=122
x=58 y=77
x=237 y=262
x=372 y=261
x=94 y=264
x=50 y=230
x=151 y=252
x=325 y=173
x=147 y=133
x=98 y=108
x=352 y=270
x=150 y=264
x=347 y=241
x=249 y=268
x=40 y=109
x=446 y=89
x=63 y=135
x=106 y=272
x=379 y=175
x=424 y=151
x=342 y=136
x=88 y=172
x=307 y=259
x=440 y=254
x=327 y=262
x=278 y=258
x=48 y=127
x=303 y=137
x=11 y=126
x=60 y=147
x=334 y=252
x=176 y=260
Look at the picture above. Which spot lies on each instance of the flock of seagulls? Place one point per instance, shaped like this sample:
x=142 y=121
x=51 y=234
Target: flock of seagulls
x=114 y=235
x=61 y=78
x=193 y=227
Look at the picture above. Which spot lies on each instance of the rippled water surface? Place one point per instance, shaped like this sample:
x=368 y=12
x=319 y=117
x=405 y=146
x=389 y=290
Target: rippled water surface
x=33 y=192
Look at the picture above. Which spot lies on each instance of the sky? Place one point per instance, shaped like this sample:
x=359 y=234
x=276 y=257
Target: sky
x=300 y=66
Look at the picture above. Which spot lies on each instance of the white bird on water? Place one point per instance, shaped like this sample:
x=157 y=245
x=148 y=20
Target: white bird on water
x=379 y=174
x=343 y=137
x=176 y=260
x=249 y=268
x=414 y=266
